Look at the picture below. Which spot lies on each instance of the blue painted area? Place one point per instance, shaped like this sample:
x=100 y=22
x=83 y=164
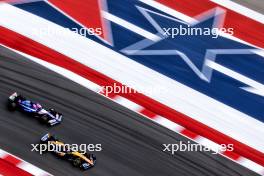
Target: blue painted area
x=27 y=106
x=221 y=87
x=44 y=10
x=128 y=9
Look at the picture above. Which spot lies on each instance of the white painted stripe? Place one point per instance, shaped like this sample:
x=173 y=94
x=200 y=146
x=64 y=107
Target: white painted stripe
x=169 y=11
x=241 y=9
x=251 y=165
x=77 y=22
x=208 y=143
x=234 y=38
x=130 y=26
x=259 y=52
x=254 y=84
x=180 y=97
x=2 y=153
x=32 y=169
x=127 y=103
x=190 y=20
x=21 y=1
x=169 y=124
x=25 y=165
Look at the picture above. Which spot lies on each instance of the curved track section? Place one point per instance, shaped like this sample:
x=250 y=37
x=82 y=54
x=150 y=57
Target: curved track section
x=132 y=145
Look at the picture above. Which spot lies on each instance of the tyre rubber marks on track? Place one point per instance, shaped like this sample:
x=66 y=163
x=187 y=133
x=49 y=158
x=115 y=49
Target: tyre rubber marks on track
x=185 y=132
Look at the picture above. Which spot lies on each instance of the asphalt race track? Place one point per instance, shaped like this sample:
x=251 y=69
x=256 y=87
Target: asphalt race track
x=132 y=145
x=257 y=5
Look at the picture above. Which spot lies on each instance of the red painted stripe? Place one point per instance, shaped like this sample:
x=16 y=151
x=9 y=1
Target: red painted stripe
x=189 y=133
x=86 y=13
x=11 y=159
x=148 y=113
x=231 y=155
x=26 y=45
x=8 y=169
x=245 y=28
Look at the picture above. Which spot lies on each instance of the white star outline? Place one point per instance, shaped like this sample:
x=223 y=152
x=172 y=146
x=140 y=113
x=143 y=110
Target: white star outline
x=209 y=60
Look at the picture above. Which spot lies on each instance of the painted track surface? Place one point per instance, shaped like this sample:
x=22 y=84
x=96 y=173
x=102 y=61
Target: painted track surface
x=131 y=144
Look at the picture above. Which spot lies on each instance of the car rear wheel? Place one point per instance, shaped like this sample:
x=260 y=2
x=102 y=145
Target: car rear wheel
x=11 y=106
x=76 y=162
x=54 y=138
x=44 y=119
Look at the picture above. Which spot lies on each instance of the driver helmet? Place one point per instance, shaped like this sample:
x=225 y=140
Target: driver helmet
x=38 y=106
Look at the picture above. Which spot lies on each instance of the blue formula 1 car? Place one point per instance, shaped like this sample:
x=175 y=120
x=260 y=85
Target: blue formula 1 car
x=18 y=102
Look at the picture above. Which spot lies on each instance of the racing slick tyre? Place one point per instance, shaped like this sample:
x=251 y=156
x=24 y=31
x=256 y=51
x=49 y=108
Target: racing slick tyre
x=11 y=106
x=44 y=119
x=55 y=138
x=76 y=162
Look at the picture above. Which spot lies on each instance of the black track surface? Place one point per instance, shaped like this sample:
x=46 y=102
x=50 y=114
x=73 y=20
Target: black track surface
x=132 y=145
